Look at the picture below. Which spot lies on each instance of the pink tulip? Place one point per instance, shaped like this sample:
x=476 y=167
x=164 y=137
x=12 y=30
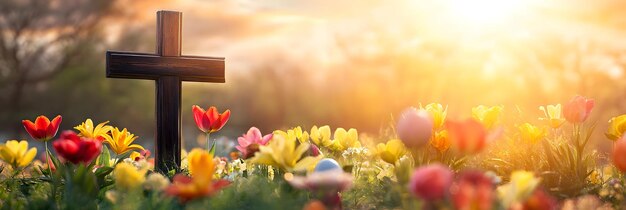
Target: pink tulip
x=577 y=110
x=249 y=143
x=431 y=182
x=415 y=127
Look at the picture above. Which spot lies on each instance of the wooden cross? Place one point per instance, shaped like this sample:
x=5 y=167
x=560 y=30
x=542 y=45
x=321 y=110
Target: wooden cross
x=168 y=68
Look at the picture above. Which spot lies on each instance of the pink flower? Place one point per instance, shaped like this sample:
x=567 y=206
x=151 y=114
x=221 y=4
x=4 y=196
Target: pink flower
x=415 y=127
x=249 y=143
x=473 y=191
x=431 y=182
x=577 y=110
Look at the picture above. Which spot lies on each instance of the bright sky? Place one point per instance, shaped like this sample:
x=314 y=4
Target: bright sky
x=316 y=32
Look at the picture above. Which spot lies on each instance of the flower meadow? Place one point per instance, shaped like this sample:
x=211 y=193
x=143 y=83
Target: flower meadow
x=423 y=160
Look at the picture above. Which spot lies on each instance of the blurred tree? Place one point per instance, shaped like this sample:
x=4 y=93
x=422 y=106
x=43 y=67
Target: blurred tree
x=39 y=40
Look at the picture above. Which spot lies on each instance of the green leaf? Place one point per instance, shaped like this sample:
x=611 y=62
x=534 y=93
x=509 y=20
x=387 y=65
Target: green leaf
x=212 y=151
x=105 y=156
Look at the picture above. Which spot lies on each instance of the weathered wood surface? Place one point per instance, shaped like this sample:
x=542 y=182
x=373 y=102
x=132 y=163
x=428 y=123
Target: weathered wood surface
x=149 y=66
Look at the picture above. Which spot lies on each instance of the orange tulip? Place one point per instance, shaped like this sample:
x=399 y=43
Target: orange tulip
x=209 y=121
x=467 y=136
x=42 y=129
x=577 y=110
x=619 y=154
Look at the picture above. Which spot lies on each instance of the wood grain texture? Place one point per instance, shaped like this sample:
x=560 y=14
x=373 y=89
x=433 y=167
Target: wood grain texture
x=147 y=66
x=169 y=33
x=168 y=133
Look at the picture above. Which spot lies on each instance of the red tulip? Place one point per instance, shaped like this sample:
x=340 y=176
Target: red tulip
x=209 y=121
x=431 y=182
x=76 y=149
x=42 y=129
x=619 y=154
x=473 y=191
x=577 y=110
x=540 y=200
x=415 y=127
x=467 y=136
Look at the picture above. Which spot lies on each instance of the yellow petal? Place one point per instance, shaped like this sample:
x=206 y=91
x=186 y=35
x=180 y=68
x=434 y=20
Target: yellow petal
x=26 y=159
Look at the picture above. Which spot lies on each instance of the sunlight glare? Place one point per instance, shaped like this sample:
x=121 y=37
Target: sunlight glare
x=484 y=11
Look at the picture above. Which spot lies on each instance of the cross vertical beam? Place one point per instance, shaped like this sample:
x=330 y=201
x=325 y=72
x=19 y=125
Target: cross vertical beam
x=169 y=69
x=168 y=94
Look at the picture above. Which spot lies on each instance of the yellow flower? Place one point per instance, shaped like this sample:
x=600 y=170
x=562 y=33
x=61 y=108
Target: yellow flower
x=391 y=151
x=437 y=112
x=128 y=176
x=345 y=139
x=321 y=136
x=282 y=152
x=488 y=116
x=87 y=130
x=522 y=185
x=201 y=166
x=121 y=141
x=552 y=115
x=134 y=155
x=531 y=133
x=296 y=133
x=17 y=153
x=617 y=127
x=441 y=142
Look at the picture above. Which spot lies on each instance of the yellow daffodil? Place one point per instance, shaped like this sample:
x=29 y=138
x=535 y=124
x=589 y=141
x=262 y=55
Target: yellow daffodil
x=488 y=116
x=121 y=141
x=522 y=185
x=617 y=127
x=321 y=136
x=201 y=165
x=437 y=112
x=391 y=151
x=128 y=176
x=17 y=153
x=552 y=114
x=531 y=133
x=441 y=142
x=345 y=139
x=99 y=132
x=283 y=153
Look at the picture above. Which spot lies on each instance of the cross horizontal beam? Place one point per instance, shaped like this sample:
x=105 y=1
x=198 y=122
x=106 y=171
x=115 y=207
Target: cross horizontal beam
x=150 y=66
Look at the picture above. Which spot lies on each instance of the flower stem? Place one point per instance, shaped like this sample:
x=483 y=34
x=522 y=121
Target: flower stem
x=48 y=159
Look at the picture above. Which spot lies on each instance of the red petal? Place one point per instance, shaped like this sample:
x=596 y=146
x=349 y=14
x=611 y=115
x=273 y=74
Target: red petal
x=54 y=126
x=222 y=120
x=212 y=114
x=180 y=178
x=198 y=115
x=31 y=128
x=42 y=122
